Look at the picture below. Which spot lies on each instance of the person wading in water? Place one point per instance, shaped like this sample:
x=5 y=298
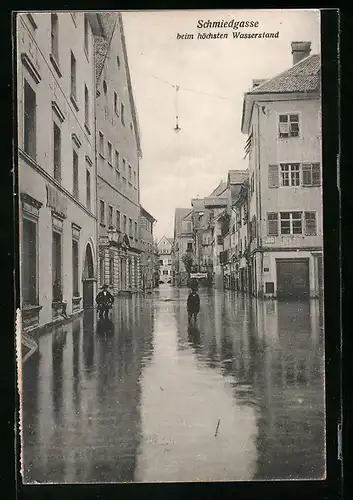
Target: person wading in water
x=193 y=306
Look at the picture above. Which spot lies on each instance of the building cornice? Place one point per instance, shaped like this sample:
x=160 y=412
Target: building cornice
x=32 y=163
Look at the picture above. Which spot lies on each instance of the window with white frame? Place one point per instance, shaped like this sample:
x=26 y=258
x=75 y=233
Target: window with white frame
x=288 y=125
x=290 y=174
x=291 y=223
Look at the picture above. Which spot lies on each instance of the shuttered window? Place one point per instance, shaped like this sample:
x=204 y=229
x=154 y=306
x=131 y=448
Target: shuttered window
x=311 y=174
x=310 y=223
x=272 y=223
x=273 y=176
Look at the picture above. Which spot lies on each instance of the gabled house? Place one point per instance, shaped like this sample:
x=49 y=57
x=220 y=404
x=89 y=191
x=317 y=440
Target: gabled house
x=282 y=119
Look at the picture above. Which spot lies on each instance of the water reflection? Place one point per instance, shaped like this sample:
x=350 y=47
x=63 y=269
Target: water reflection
x=137 y=397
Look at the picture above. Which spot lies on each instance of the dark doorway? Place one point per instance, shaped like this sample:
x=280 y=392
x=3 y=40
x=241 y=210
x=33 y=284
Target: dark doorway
x=88 y=279
x=292 y=278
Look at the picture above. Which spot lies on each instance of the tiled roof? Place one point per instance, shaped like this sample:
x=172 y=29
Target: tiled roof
x=302 y=77
x=101 y=43
x=222 y=186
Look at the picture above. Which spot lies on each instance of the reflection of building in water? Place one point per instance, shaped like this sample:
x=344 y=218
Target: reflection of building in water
x=82 y=423
x=289 y=388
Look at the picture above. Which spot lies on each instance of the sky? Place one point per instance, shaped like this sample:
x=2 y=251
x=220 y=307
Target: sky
x=213 y=76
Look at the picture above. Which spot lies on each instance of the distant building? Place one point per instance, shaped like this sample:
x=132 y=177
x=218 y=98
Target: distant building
x=282 y=117
x=165 y=259
x=147 y=262
x=118 y=156
x=183 y=243
x=56 y=157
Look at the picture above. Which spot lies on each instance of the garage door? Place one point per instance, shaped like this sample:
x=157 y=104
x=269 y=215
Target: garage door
x=292 y=278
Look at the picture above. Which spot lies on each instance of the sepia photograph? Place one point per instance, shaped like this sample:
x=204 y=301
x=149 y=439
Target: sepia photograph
x=170 y=170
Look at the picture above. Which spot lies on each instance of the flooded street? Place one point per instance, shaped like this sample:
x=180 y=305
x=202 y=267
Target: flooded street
x=147 y=398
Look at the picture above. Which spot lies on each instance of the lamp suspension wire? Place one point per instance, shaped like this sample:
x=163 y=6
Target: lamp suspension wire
x=177 y=128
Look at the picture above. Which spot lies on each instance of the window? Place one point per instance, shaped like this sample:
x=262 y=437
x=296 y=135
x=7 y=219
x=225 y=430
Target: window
x=165 y=272
x=86 y=34
x=161 y=262
x=189 y=247
x=311 y=174
x=102 y=212
x=135 y=179
x=310 y=223
x=169 y=262
x=73 y=76
x=130 y=173
x=105 y=87
x=130 y=227
x=135 y=230
x=117 y=160
x=57 y=152
x=86 y=106
x=118 y=220
x=110 y=216
x=110 y=153
x=124 y=167
x=57 y=267
x=75 y=289
x=291 y=222
x=75 y=174
x=55 y=36
x=29 y=132
x=124 y=223
x=101 y=144
x=116 y=104
x=29 y=262
x=101 y=270
x=272 y=223
x=219 y=239
x=88 y=189
x=118 y=61
x=122 y=113
x=288 y=125
x=290 y=174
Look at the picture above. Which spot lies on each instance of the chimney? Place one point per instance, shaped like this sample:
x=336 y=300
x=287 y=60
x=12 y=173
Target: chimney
x=257 y=82
x=300 y=50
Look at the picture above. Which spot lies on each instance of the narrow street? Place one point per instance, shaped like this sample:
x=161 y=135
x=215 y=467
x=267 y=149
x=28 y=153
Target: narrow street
x=145 y=398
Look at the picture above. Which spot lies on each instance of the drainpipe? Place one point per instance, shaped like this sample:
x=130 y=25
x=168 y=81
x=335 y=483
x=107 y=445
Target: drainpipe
x=259 y=222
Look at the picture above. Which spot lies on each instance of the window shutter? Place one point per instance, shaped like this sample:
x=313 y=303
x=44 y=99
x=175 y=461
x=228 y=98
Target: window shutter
x=310 y=223
x=316 y=180
x=273 y=176
x=306 y=174
x=272 y=223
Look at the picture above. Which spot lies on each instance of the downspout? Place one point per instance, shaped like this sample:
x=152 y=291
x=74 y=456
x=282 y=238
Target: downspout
x=259 y=239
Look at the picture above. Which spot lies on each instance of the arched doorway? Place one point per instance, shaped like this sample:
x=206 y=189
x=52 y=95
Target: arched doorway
x=88 y=279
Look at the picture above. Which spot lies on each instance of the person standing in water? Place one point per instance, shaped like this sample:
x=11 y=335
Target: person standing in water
x=193 y=306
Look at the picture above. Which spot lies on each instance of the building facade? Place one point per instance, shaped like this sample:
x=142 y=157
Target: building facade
x=282 y=118
x=147 y=263
x=118 y=156
x=57 y=176
x=165 y=259
x=183 y=245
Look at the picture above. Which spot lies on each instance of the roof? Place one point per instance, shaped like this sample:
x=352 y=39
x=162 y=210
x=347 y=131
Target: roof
x=147 y=215
x=222 y=186
x=110 y=21
x=303 y=76
x=303 y=80
x=165 y=238
x=180 y=214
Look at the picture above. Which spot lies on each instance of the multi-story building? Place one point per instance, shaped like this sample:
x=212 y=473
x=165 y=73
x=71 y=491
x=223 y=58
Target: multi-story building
x=165 y=259
x=56 y=157
x=235 y=230
x=203 y=237
x=183 y=244
x=147 y=263
x=118 y=156
x=282 y=117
